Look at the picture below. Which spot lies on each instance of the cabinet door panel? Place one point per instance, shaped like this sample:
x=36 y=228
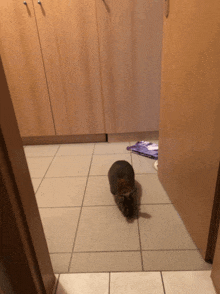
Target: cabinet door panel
x=190 y=114
x=24 y=70
x=69 y=40
x=130 y=50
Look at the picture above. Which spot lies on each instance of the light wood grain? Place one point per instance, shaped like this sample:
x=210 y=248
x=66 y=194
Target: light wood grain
x=130 y=51
x=24 y=69
x=69 y=39
x=190 y=112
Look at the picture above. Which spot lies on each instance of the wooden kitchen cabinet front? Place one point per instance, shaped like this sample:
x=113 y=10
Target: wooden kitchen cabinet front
x=69 y=40
x=23 y=65
x=82 y=67
x=130 y=35
x=50 y=55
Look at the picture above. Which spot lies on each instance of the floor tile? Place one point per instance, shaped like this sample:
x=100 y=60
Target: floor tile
x=102 y=163
x=111 y=148
x=76 y=149
x=40 y=150
x=105 y=229
x=38 y=166
x=60 y=192
x=136 y=283
x=36 y=183
x=60 y=262
x=152 y=190
x=104 y=237
x=196 y=282
x=59 y=226
x=98 y=192
x=142 y=164
x=106 y=262
x=174 y=260
x=94 y=283
x=164 y=229
x=69 y=166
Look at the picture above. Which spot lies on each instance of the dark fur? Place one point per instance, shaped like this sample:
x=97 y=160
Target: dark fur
x=122 y=186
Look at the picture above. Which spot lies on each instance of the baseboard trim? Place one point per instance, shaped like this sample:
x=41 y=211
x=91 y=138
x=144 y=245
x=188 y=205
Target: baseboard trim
x=68 y=139
x=64 y=139
x=138 y=136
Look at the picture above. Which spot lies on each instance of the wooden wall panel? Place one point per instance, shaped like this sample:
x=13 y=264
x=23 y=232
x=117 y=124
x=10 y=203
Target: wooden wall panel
x=189 y=131
x=69 y=40
x=22 y=60
x=130 y=51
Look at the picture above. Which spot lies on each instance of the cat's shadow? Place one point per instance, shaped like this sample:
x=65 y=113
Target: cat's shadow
x=138 y=213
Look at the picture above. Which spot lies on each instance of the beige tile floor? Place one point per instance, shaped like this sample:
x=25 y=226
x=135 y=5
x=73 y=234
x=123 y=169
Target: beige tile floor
x=178 y=282
x=87 y=235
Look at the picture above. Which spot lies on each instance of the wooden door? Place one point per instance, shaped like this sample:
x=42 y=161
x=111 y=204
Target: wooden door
x=189 y=141
x=24 y=258
x=22 y=60
x=215 y=275
x=69 y=41
x=130 y=50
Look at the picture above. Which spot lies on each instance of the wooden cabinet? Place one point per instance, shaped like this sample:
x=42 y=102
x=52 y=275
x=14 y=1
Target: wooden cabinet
x=23 y=65
x=69 y=41
x=51 y=59
x=83 y=67
x=190 y=114
x=130 y=49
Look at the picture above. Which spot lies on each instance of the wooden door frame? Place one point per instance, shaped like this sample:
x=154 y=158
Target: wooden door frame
x=213 y=250
x=27 y=265
x=214 y=223
x=15 y=186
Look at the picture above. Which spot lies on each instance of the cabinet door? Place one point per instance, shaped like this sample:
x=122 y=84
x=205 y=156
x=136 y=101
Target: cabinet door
x=24 y=70
x=130 y=50
x=69 y=40
x=190 y=114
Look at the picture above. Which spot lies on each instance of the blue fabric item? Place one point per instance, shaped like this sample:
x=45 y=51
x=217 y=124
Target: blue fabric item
x=146 y=149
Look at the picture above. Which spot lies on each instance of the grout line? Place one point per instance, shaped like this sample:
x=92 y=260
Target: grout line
x=47 y=168
x=78 y=176
x=107 y=205
x=147 y=271
x=162 y=282
x=104 y=154
x=81 y=210
x=109 y=285
x=142 y=262
x=122 y=251
x=42 y=207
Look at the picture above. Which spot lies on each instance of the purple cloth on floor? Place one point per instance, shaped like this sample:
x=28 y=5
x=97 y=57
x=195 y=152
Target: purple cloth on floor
x=142 y=148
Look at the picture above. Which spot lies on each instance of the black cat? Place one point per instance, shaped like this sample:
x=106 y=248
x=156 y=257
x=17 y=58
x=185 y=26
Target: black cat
x=122 y=186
